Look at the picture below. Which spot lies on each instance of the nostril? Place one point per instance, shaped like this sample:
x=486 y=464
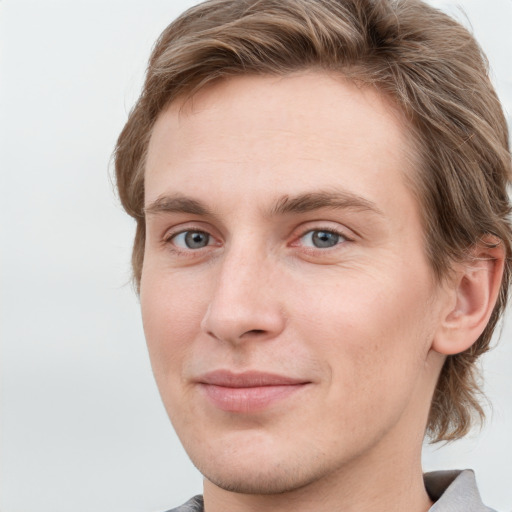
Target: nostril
x=254 y=332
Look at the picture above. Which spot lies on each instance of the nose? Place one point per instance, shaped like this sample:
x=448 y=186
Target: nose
x=245 y=303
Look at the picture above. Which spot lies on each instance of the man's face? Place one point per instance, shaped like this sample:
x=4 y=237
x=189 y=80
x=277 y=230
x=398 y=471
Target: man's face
x=287 y=302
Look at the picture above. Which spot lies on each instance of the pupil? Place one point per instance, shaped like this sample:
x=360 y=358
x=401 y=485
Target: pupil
x=196 y=239
x=324 y=239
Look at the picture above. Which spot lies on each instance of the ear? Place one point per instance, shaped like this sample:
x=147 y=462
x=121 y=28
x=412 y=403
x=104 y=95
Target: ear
x=473 y=293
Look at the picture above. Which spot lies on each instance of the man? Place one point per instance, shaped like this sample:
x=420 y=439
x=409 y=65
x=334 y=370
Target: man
x=322 y=247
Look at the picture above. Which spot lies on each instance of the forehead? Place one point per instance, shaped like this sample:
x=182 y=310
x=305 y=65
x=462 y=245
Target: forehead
x=279 y=135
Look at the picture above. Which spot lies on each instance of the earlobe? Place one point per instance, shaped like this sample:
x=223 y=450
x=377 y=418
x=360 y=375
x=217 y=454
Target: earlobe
x=474 y=291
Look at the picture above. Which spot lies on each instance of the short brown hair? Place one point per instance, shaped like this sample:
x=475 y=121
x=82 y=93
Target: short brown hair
x=426 y=62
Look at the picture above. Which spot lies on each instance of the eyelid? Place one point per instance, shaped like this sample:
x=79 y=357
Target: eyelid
x=171 y=233
x=182 y=227
x=327 y=226
x=173 y=239
x=308 y=238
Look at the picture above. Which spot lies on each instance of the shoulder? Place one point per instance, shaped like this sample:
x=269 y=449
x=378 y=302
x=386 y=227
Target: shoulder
x=453 y=491
x=194 y=504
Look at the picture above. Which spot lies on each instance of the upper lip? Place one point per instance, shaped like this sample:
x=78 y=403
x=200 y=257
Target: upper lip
x=247 y=379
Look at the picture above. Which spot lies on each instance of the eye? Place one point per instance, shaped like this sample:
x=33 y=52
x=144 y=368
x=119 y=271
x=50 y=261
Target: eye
x=191 y=239
x=321 y=239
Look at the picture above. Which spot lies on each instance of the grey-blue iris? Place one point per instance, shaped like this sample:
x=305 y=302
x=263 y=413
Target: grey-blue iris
x=196 y=239
x=323 y=239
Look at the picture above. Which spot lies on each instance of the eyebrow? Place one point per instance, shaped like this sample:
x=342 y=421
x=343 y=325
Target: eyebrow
x=302 y=203
x=308 y=202
x=176 y=204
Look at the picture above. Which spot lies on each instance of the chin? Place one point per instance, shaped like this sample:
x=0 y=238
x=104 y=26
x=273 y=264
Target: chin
x=252 y=479
x=259 y=465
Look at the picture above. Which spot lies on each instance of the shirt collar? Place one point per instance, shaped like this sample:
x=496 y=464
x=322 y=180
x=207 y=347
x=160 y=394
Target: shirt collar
x=453 y=491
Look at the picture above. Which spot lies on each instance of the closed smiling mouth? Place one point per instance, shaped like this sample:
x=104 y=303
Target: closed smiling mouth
x=247 y=392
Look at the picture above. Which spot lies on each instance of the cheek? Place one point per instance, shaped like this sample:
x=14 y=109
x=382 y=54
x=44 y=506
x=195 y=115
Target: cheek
x=171 y=313
x=374 y=334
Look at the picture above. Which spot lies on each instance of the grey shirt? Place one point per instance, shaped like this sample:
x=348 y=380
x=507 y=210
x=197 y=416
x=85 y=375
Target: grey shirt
x=451 y=491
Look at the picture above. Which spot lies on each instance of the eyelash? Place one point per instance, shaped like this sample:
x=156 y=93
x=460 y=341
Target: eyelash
x=169 y=242
x=329 y=230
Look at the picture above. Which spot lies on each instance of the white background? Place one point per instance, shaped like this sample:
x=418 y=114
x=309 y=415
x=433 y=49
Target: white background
x=82 y=427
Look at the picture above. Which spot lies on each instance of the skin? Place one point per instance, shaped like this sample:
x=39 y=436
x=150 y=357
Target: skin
x=355 y=323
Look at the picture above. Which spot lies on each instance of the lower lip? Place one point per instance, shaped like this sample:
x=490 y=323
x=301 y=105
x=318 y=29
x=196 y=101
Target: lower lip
x=245 y=400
